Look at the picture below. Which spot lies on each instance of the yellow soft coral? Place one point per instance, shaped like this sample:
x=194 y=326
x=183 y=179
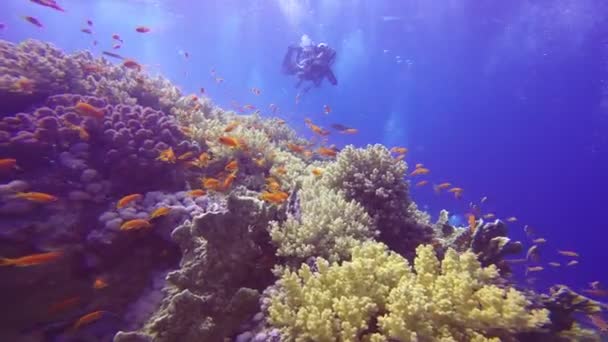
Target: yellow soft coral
x=453 y=300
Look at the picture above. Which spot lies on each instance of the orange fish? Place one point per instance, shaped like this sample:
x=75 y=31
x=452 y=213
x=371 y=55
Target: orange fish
x=88 y=319
x=162 y=211
x=196 y=193
x=457 y=192
x=275 y=197
x=317 y=172
x=24 y=85
x=142 y=29
x=295 y=148
x=489 y=216
x=599 y=322
x=63 y=304
x=135 y=224
x=38 y=197
x=99 y=284
x=186 y=156
x=231 y=126
x=167 y=156
x=512 y=219
x=534 y=269
x=422 y=183
x=231 y=166
x=572 y=263
x=259 y=161
x=399 y=150
x=438 y=187
x=127 y=199
x=419 y=165
x=350 y=131
x=32 y=259
x=8 y=164
x=229 y=141
x=229 y=179
x=86 y=30
x=326 y=109
x=256 y=91
x=318 y=130
x=86 y=109
x=539 y=241
x=420 y=171
x=327 y=152
x=472 y=223
x=211 y=183
x=82 y=133
x=131 y=64
x=117 y=37
x=568 y=253
x=554 y=264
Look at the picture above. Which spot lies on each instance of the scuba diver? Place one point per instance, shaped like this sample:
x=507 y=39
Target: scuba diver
x=310 y=62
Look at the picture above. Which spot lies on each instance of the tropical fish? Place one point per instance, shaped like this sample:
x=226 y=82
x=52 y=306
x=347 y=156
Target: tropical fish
x=231 y=126
x=483 y=199
x=142 y=29
x=202 y=90
x=196 y=193
x=533 y=254
x=350 y=131
x=529 y=231
x=88 y=319
x=48 y=3
x=135 y=224
x=131 y=64
x=211 y=183
x=539 y=241
x=117 y=37
x=86 y=109
x=249 y=107
x=229 y=179
x=534 y=269
x=456 y=191
x=512 y=219
x=326 y=109
x=422 y=183
x=24 y=85
x=229 y=141
x=295 y=148
x=273 y=108
x=256 y=91
x=32 y=259
x=86 y=30
x=127 y=199
x=596 y=292
x=186 y=156
x=162 y=211
x=167 y=156
x=317 y=172
x=232 y=165
x=489 y=216
x=327 y=152
x=99 y=284
x=568 y=253
x=116 y=46
x=594 y=284
x=8 y=164
x=112 y=54
x=281 y=170
x=275 y=197
x=419 y=165
x=297 y=99
x=599 y=322
x=399 y=150
x=260 y=162
x=572 y=263
x=439 y=187
x=82 y=133
x=420 y=171
x=33 y=21
x=472 y=223
x=38 y=197
x=554 y=264
x=63 y=304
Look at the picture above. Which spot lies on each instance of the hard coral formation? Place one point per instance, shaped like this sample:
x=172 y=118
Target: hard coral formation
x=326 y=225
x=378 y=297
x=373 y=178
x=213 y=292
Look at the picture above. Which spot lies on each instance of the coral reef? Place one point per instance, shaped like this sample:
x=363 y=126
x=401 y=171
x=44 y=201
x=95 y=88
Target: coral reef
x=450 y=300
x=326 y=225
x=212 y=292
x=373 y=178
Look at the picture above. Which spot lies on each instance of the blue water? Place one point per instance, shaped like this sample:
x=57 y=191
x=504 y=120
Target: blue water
x=502 y=98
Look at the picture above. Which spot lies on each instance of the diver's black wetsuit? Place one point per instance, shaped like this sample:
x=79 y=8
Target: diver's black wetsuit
x=310 y=63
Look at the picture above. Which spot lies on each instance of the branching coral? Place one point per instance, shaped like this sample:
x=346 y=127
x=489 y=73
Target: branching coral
x=376 y=180
x=453 y=300
x=328 y=225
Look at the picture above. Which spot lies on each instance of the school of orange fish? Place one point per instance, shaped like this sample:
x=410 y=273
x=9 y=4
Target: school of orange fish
x=273 y=193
